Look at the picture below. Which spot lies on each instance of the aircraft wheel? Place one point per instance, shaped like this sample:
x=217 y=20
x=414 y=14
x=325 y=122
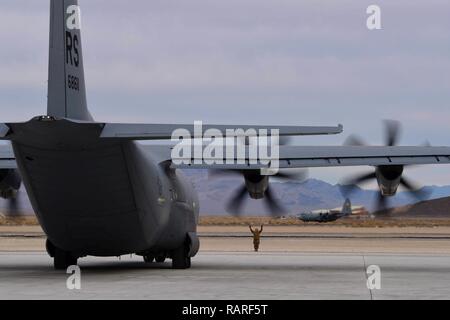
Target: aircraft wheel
x=149 y=258
x=180 y=259
x=50 y=248
x=188 y=263
x=160 y=258
x=63 y=259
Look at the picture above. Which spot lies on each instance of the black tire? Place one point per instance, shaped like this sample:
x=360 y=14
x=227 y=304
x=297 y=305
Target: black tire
x=149 y=258
x=188 y=263
x=50 y=248
x=160 y=259
x=180 y=259
x=63 y=259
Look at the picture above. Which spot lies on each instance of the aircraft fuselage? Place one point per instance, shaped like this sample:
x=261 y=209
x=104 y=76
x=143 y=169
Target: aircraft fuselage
x=101 y=197
x=325 y=217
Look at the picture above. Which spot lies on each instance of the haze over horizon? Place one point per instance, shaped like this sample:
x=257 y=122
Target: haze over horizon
x=267 y=62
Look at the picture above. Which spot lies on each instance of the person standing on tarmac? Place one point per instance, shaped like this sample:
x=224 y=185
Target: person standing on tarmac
x=256 y=236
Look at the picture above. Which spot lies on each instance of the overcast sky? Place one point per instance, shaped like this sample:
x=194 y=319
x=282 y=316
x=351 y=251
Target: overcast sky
x=247 y=61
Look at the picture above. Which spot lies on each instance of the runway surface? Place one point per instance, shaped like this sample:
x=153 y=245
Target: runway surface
x=231 y=275
x=294 y=263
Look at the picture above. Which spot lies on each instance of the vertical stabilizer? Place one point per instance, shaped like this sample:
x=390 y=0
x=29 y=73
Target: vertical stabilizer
x=347 y=208
x=66 y=85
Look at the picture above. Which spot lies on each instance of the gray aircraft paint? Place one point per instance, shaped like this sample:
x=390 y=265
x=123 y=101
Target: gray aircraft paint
x=66 y=82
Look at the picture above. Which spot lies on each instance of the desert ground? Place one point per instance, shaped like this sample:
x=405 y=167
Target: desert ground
x=225 y=234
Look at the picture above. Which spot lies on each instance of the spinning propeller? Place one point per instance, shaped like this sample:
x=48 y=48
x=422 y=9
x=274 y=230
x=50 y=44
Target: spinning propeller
x=388 y=177
x=10 y=183
x=257 y=186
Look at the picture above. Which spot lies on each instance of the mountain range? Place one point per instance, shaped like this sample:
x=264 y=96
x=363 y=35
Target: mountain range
x=434 y=209
x=311 y=194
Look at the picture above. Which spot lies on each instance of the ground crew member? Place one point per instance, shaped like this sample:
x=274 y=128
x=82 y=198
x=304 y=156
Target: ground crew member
x=256 y=236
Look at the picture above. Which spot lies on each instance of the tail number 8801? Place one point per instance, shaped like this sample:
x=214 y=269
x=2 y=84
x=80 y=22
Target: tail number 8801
x=73 y=83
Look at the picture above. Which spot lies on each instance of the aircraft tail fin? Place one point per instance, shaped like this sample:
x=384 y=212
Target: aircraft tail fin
x=66 y=84
x=347 y=208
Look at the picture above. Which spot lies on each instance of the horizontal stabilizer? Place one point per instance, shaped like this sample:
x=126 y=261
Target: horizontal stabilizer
x=165 y=131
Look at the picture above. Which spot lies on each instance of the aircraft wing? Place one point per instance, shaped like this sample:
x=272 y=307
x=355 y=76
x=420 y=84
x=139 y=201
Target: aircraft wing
x=165 y=131
x=338 y=156
x=7 y=158
x=328 y=156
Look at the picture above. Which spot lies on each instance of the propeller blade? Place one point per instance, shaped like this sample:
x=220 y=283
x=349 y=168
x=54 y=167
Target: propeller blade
x=381 y=202
x=364 y=178
x=13 y=205
x=349 y=186
x=276 y=209
x=415 y=190
x=380 y=209
x=347 y=189
x=355 y=140
x=392 y=133
x=236 y=202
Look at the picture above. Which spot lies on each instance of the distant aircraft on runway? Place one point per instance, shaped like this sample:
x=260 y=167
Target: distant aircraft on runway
x=328 y=215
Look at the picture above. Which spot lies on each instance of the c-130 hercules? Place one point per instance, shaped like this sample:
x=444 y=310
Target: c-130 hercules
x=97 y=191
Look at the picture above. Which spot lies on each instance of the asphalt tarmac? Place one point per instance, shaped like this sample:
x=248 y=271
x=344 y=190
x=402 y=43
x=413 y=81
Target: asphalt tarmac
x=307 y=263
x=232 y=275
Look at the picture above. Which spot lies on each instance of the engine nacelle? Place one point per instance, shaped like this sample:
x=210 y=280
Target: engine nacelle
x=10 y=182
x=389 y=178
x=256 y=184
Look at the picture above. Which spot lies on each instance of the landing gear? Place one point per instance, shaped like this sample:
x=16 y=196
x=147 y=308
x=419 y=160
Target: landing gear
x=61 y=259
x=160 y=258
x=155 y=257
x=180 y=259
x=149 y=258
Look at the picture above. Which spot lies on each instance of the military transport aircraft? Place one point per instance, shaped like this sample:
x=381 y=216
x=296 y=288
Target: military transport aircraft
x=97 y=191
x=328 y=215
